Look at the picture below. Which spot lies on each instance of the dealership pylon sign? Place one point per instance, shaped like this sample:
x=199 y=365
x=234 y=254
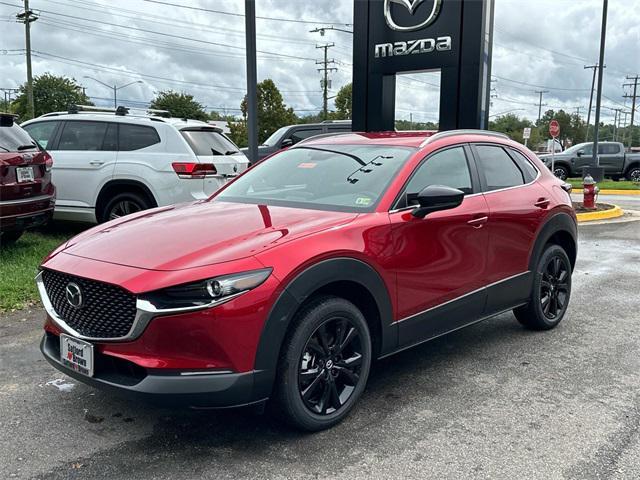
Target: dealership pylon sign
x=402 y=36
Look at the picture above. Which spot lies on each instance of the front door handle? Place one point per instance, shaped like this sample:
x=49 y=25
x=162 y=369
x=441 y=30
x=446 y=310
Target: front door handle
x=96 y=163
x=542 y=203
x=478 y=222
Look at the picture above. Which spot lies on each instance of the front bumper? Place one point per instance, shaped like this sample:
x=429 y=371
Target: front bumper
x=206 y=389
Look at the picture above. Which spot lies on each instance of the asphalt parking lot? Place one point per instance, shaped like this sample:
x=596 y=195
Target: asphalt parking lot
x=491 y=401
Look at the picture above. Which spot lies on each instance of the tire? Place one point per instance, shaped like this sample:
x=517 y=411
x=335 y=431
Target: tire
x=318 y=383
x=561 y=172
x=552 y=281
x=9 y=238
x=615 y=178
x=124 y=204
x=633 y=174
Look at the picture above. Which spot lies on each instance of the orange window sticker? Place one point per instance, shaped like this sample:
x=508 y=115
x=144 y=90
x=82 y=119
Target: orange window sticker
x=307 y=165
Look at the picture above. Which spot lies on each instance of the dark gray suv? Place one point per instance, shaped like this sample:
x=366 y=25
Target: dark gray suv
x=289 y=135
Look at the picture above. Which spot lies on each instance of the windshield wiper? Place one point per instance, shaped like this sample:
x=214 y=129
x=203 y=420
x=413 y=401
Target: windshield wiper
x=365 y=168
x=350 y=155
x=231 y=152
x=26 y=147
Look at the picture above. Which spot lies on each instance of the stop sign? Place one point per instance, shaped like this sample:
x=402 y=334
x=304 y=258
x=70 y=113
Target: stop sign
x=554 y=128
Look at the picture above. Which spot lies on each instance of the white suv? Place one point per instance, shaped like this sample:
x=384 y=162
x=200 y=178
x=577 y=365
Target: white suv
x=109 y=163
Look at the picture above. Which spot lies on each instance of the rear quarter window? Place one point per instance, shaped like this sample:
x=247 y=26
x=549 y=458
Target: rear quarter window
x=207 y=142
x=498 y=168
x=136 y=137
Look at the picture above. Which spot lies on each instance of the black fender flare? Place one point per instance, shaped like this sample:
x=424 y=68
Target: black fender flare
x=300 y=289
x=558 y=222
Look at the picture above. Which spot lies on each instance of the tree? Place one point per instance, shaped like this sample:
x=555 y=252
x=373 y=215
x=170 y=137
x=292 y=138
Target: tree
x=272 y=111
x=50 y=94
x=514 y=126
x=343 y=102
x=179 y=104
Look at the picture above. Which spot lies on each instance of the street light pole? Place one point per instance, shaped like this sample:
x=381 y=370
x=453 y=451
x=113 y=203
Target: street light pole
x=252 y=79
x=115 y=88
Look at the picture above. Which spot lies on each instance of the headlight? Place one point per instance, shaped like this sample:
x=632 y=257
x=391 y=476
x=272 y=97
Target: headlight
x=203 y=294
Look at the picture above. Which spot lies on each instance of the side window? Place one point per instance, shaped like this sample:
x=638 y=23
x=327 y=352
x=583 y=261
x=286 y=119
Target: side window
x=298 y=135
x=447 y=167
x=81 y=135
x=135 y=137
x=499 y=170
x=530 y=172
x=587 y=150
x=42 y=132
x=608 y=149
x=110 y=143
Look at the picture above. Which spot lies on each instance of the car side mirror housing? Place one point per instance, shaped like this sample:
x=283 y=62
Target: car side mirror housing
x=287 y=142
x=435 y=198
x=580 y=153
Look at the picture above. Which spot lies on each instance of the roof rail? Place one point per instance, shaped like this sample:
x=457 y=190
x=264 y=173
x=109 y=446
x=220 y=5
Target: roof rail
x=335 y=121
x=450 y=133
x=121 y=110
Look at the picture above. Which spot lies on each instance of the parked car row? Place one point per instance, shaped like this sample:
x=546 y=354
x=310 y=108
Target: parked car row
x=27 y=195
x=616 y=162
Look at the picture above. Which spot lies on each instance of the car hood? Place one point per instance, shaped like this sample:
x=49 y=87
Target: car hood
x=199 y=234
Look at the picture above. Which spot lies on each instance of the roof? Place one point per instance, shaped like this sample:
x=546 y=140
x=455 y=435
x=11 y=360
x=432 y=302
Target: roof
x=407 y=139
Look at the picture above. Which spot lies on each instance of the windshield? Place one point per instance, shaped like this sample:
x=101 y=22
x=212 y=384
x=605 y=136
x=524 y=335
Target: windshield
x=207 y=141
x=348 y=178
x=273 y=140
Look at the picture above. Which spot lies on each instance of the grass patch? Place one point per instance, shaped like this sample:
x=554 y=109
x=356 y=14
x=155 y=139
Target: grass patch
x=19 y=264
x=608 y=184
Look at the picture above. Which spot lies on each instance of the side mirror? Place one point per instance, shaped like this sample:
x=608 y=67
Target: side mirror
x=435 y=198
x=287 y=142
x=580 y=153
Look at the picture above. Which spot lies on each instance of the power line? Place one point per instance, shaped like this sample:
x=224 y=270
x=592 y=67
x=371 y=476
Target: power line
x=221 y=12
x=129 y=27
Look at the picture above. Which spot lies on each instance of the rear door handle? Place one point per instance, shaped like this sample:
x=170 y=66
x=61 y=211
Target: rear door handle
x=542 y=203
x=478 y=222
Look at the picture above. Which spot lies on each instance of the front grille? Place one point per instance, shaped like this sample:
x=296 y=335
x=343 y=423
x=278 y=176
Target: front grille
x=107 y=311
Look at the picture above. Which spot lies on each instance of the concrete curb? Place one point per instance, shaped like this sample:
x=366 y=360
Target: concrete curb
x=619 y=192
x=614 y=212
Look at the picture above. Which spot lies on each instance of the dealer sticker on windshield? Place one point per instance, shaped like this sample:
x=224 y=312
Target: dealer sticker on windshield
x=307 y=165
x=363 y=201
x=76 y=354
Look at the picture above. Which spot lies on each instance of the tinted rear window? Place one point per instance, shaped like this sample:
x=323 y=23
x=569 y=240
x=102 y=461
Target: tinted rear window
x=205 y=141
x=11 y=138
x=135 y=137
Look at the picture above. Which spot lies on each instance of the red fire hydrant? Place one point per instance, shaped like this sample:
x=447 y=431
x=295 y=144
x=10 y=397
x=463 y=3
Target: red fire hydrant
x=590 y=192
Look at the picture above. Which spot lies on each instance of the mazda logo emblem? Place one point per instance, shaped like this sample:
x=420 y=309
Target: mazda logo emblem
x=411 y=6
x=73 y=294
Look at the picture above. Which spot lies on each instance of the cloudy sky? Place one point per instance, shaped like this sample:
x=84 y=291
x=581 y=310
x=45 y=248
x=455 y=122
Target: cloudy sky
x=538 y=45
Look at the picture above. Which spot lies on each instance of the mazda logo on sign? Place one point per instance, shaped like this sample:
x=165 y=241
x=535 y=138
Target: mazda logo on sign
x=74 y=295
x=411 y=6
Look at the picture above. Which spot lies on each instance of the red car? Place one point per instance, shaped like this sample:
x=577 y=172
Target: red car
x=27 y=196
x=292 y=279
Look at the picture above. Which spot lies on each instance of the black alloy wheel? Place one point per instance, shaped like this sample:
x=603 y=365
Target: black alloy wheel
x=329 y=368
x=324 y=364
x=550 y=293
x=554 y=287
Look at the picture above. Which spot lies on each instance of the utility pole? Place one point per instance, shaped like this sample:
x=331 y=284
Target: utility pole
x=252 y=79
x=325 y=82
x=596 y=127
x=593 y=85
x=616 y=122
x=7 y=97
x=27 y=17
x=633 y=102
x=540 y=103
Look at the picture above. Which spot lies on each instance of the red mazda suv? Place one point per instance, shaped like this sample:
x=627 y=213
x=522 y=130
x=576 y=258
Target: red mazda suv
x=293 y=278
x=27 y=196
